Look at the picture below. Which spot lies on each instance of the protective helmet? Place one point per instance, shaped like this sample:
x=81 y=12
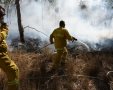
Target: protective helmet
x=2 y=11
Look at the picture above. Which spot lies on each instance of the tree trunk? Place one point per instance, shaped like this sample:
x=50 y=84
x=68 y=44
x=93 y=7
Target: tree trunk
x=20 y=26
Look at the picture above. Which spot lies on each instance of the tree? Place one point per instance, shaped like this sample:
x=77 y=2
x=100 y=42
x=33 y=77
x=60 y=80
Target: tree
x=20 y=26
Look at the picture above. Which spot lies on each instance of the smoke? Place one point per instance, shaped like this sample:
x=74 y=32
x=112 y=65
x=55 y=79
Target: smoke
x=87 y=20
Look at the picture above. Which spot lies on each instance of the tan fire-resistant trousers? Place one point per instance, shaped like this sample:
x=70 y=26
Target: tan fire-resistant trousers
x=11 y=70
x=60 y=57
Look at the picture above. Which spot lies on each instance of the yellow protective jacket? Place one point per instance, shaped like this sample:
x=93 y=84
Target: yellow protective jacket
x=60 y=36
x=3 y=36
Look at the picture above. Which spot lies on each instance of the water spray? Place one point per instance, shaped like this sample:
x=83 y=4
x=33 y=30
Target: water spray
x=36 y=30
x=40 y=32
x=48 y=37
x=85 y=45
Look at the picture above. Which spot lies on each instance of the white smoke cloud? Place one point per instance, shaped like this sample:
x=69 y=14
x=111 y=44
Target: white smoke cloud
x=91 y=24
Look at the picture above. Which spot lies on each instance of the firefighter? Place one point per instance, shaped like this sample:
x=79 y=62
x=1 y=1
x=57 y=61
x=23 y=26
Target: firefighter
x=6 y=64
x=59 y=37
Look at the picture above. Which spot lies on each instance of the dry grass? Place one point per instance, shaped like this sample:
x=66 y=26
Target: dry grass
x=82 y=72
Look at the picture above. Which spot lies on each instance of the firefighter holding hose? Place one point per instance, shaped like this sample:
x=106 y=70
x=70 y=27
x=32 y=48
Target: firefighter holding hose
x=59 y=37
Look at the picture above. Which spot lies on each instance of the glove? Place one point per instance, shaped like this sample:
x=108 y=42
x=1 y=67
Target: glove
x=74 y=39
x=3 y=24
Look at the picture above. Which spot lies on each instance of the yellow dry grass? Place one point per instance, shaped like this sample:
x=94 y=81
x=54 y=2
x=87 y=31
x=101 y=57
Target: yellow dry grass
x=86 y=71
